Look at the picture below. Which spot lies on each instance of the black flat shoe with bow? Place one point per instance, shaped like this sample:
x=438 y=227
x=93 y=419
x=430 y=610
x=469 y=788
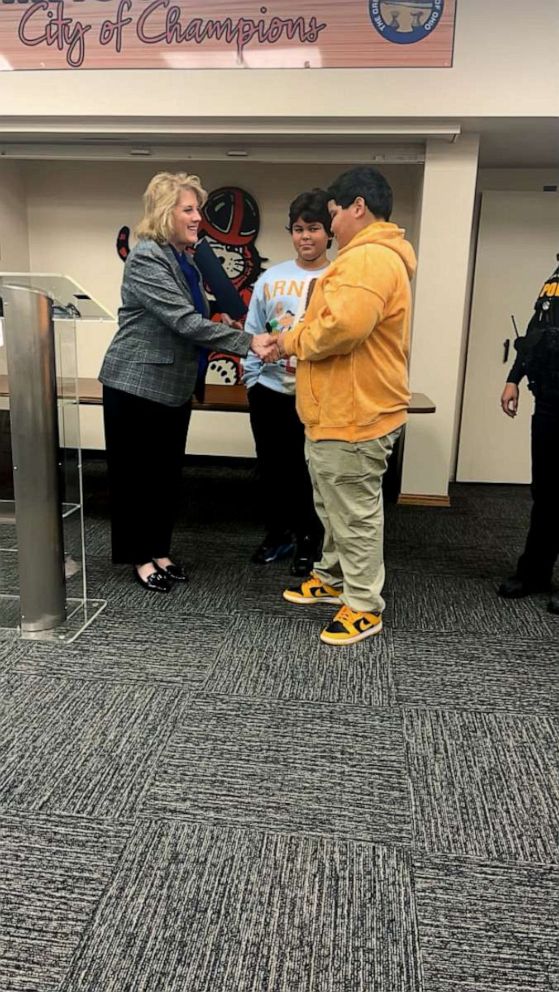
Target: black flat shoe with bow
x=155 y=582
x=175 y=572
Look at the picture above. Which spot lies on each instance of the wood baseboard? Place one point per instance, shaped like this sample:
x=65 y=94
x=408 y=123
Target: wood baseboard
x=417 y=499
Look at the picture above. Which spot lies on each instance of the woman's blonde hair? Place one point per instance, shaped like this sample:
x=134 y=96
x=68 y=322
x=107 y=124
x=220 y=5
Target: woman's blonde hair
x=161 y=196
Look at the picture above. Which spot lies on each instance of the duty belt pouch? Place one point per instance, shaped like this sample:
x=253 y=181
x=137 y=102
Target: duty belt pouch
x=547 y=368
x=540 y=358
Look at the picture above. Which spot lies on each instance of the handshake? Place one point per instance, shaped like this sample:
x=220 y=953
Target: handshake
x=268 y=347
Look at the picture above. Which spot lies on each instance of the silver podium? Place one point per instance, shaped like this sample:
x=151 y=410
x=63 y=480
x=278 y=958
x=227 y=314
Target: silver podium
x=43 y=580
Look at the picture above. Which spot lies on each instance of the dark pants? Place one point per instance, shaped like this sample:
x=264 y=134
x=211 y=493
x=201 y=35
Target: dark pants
x=145 y=451
x=542 y=544
x=280 y=448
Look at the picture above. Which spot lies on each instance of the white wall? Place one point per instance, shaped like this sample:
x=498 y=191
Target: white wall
x=519 y=179
x=518 y=241
x=76 y=208
x=491 y=179
x=505 y=65
x=14 y=243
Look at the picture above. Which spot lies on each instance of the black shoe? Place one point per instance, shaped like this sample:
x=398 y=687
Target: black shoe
x=515 y=587
x=304 y=557
x=553 y=605
x=155 y=582
x=175 y=572
x=272 y=548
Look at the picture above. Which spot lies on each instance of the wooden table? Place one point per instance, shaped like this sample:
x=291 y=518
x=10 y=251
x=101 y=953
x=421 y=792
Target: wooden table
x=228 y=399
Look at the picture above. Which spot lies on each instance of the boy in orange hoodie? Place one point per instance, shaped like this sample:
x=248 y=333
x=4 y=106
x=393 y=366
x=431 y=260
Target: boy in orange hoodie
x=352 y=396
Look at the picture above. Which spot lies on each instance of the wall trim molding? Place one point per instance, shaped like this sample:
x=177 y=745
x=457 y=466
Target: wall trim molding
x=394 y=129
x=419 y=499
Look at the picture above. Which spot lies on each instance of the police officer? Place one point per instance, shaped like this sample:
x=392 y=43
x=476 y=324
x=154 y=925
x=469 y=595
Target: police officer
x=538 y=359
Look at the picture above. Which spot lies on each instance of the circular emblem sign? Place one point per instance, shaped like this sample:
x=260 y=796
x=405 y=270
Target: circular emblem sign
x=405 y=21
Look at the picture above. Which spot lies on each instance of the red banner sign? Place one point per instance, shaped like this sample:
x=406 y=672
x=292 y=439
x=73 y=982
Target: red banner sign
x=222 y=34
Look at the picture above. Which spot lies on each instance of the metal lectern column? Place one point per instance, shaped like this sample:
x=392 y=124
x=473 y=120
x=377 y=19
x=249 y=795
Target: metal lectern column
x=30 y=354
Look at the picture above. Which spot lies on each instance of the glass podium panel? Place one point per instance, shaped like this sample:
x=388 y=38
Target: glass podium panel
x=9 y=599
x=69 y=304
x=69 y=300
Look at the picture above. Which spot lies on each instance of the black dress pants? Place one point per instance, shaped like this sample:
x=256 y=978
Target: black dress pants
x=279 y=437
x=542 y=544
x=145 y=444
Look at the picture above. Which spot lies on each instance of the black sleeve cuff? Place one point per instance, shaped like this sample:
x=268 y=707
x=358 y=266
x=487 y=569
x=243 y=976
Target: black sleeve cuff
x=516 y=373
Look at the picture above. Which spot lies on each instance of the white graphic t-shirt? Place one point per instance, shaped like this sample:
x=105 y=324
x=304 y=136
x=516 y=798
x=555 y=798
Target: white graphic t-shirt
x=279 y=300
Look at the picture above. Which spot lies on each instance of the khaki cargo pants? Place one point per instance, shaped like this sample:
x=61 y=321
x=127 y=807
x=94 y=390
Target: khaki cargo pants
x=347 y=491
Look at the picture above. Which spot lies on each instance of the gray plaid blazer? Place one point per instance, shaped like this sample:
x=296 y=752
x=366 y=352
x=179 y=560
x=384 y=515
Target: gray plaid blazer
x=154 y=353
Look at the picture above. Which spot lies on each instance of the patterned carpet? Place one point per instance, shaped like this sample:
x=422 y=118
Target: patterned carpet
x=198 y=795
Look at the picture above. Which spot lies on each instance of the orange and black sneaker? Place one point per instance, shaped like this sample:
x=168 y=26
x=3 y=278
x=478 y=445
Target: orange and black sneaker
x=349 y=626
x=312 y=590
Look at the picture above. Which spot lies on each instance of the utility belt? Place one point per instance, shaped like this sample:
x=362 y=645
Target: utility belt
x=539 y=352
x=546 y=390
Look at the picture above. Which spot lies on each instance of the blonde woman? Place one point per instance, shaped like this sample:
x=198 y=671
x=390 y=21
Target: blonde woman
x=149 y=375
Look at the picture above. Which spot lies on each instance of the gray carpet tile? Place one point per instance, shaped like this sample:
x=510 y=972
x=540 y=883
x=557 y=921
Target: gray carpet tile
x=7 y=533
x=98 y=538
x=284 y=658
x=271 y=793
x=52 y=875
x=9 y=577
x=11 y=649
x=260 y=588
x=431 y=601
x=85 y=748
x=489 y=507
x=494 y=502
x=445 y=527
x=484 y=784
x=198 y=908
x=447 y=530
x=10 y=617
x=219 y=584
x=192 y=537
x=483 y=672
x=8 y=634
x=461 y=548
x=487 y=927
x=133 y=646
x=222 y=581
x=468 y=561
x=300 y=767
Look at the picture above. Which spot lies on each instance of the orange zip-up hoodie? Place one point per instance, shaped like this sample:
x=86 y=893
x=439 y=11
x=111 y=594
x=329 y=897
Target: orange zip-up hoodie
x=352 y=345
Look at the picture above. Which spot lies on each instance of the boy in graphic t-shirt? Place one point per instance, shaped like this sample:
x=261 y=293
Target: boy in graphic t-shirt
x=278 y=303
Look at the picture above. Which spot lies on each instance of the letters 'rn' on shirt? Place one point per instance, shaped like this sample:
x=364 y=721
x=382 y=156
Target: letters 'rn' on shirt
x=279 y=299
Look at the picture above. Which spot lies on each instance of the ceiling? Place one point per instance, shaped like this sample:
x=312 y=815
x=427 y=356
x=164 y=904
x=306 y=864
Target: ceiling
x=516 y=142
x=504 y=142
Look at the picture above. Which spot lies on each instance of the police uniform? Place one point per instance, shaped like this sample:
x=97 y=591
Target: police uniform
x=538 y=359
